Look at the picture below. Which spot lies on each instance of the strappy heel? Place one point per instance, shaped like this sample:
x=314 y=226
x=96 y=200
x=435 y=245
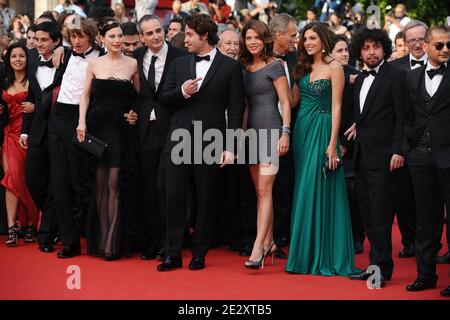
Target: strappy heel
x=30 y=234
x=258 y=264
x=13 y=239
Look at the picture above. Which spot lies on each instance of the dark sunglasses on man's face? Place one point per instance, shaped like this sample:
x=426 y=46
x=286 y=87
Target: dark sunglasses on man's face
x=440 y=45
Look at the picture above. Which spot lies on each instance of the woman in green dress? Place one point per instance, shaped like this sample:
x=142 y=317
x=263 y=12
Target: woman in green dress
x=321 y=234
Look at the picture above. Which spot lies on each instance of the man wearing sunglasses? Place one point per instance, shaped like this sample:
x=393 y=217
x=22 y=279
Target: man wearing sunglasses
x=428 y=151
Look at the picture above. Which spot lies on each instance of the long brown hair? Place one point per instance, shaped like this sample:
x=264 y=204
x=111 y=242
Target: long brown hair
x=245 y=57
x=304 y=61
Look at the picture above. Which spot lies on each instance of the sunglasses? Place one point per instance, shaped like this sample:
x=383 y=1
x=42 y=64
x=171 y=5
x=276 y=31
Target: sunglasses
x=440 y=45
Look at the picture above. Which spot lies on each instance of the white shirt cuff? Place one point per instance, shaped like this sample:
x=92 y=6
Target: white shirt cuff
x=23 y=135
x=185 y=95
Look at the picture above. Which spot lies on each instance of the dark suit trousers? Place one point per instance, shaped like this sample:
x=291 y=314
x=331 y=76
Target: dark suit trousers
x=37 y=177
x=373 y=191
x=282 y=197
x=64 y=179
x=431 y=185
x=403 y=204
x=153 y=177
x=205 y=178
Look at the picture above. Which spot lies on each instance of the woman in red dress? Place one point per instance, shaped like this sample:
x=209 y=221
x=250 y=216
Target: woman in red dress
x=18 y=99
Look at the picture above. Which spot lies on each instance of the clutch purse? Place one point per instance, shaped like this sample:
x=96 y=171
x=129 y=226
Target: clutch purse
x=92 y=145
x=326 y=166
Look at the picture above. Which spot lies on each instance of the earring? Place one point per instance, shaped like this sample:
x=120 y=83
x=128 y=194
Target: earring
x=323 y=50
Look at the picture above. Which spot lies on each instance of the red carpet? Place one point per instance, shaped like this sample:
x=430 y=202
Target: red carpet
x=26 y=273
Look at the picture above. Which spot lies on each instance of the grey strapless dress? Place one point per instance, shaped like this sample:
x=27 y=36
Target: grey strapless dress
x=263 y=114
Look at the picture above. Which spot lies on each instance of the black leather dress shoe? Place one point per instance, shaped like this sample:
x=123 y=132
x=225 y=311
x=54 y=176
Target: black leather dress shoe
x=283 y=241
x=407 y=252
x=170 y=263
x=69 y=251
x=420 y=285
x=358 y=247
x=46 y=247
x=234 y=247
x=446 y=292
x=360 y=276
x=197 y=263
x=364 y=276
x=280 y=254
x=444 y=259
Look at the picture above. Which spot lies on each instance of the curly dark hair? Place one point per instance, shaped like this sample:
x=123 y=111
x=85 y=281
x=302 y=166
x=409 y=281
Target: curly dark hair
x=376 y=35
x=203 y=24
x=304 y=60
x=245 y=57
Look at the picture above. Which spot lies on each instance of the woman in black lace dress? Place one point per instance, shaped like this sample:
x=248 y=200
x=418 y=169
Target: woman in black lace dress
x=111 y=87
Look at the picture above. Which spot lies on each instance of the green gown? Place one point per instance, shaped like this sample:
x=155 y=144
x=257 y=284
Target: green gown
x=321 y=233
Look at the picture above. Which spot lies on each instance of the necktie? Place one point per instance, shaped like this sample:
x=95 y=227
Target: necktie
x=151 y=73
x=48 y=63
x=280 y=56
x=198 y=58
x=433 y=72
x=82 y=55
x=366 y=73
x=414 y=62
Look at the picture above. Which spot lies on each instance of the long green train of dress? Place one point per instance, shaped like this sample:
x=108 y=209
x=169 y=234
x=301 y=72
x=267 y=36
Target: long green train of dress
x=321 y=234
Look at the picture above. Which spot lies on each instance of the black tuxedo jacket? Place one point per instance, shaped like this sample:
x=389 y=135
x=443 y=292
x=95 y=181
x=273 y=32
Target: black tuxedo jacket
x=149 y=99
x=437 y=117
x=35 y=124
x=402 y=63
x=222 y=89
x=380 y=125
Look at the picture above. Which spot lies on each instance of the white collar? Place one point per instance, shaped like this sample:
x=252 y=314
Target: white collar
x=162 y=52
x=431 y=67
x=41 y=57
x=424 y=58
x=211 y=54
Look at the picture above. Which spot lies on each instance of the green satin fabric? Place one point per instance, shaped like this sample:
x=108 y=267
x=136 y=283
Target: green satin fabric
x=321 y=234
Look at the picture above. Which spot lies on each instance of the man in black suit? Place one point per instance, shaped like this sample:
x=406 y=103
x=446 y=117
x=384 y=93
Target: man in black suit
x=402 y=191
x=339 y=52
x=199 y=87
x=43 y=78
x=284 y=30
x=153 y=63
x=378 y=102
x=428 y=151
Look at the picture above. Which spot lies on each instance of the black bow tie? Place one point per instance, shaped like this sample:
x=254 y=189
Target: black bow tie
x=280 y=56
x=366 y=73
x=82 y=55
x=414 y=62
x=433 y=72
x=198 y=58
x=48 y=63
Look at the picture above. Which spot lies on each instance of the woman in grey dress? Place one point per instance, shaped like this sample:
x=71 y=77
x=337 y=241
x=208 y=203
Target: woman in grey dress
x=265 y=84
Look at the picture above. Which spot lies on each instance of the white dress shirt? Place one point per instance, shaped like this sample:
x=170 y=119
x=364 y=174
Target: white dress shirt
x=424 y=59
x=74 y=78
x=201 y=69
x=45 y=75
x=432 y=84
x=367 y=83
x=159 y=68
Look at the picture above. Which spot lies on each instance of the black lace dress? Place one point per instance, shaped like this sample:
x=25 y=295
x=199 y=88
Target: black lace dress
x=116 y=171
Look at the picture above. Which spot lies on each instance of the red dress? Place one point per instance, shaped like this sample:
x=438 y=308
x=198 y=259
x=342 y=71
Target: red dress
x=14 y=179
